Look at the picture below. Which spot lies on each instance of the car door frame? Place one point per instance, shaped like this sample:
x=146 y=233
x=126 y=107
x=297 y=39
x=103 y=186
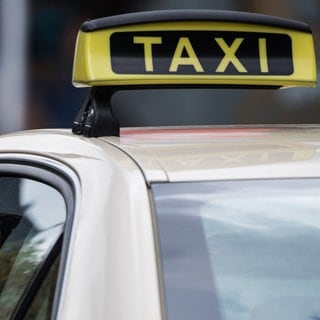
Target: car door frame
x=64 y=179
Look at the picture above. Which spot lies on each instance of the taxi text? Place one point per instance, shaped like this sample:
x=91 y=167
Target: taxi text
x=201 y=52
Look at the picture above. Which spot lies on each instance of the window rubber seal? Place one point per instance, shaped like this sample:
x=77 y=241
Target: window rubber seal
x=64 y=179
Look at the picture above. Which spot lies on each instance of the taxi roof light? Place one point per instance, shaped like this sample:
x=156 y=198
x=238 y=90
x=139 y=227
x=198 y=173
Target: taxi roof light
x=194 y=47
x=186 y=48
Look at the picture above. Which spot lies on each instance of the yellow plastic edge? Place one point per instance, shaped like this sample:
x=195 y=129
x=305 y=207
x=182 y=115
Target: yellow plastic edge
x=92 y=64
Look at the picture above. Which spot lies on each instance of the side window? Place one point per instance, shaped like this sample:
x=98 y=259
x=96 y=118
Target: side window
x=32 y=218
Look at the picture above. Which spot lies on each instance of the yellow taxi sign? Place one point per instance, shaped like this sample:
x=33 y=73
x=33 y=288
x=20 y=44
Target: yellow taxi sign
x=209 y=48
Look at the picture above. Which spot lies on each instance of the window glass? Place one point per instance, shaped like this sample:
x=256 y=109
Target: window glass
x=32 y=216
x=42 y=304
x=240 y=249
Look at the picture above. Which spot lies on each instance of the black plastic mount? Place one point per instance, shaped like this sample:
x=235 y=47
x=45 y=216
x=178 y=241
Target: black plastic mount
x=96 y=118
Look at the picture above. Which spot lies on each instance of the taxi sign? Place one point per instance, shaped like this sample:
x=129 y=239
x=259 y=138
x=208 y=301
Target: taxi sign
x=208 y=48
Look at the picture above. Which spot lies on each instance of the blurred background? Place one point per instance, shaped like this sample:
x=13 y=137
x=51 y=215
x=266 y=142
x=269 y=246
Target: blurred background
x=37 y=39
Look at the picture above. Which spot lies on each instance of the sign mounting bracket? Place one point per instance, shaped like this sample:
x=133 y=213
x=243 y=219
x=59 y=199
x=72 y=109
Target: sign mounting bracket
x=96 y=117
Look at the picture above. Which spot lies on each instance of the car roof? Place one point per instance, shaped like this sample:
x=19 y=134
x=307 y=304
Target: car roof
x=222 y=152
x=187 y=153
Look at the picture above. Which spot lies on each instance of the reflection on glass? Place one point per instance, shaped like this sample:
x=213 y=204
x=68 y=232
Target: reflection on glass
x=42 y=304
x=240 y=249
x=33 y=216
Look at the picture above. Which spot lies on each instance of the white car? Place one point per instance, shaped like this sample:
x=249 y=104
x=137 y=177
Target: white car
x=219 y=222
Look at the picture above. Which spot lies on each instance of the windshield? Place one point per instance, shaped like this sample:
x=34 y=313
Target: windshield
x=240 y=249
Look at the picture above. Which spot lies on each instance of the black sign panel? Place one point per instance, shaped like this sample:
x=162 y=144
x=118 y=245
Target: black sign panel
x=201 y=53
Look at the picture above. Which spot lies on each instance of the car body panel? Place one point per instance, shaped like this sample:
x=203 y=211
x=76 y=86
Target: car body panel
x=111 y=270
x=211 y=153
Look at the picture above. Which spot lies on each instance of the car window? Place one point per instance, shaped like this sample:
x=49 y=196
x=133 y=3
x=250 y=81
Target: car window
x=240 y=249
x=32 y=217
x=42 y=303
